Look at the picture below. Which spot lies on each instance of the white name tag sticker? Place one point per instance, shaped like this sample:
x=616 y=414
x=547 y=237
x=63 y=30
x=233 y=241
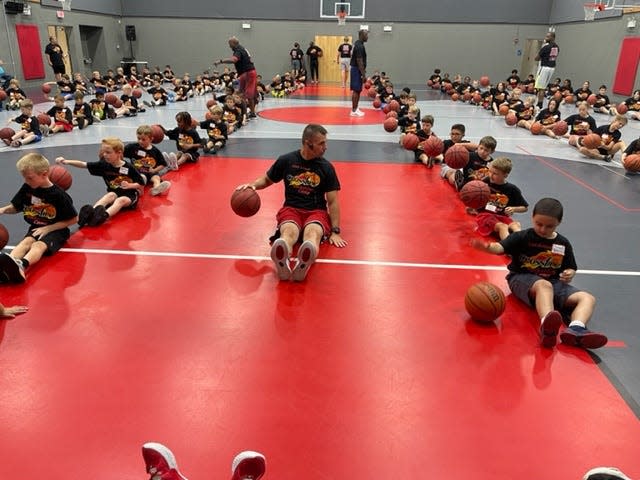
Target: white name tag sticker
x=557 y=249
x=142 y=153
x=35 y=201
x=123 y=170
x=490 y=207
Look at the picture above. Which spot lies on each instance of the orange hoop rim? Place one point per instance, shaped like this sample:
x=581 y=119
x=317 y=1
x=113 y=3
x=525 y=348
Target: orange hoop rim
x=595 y=6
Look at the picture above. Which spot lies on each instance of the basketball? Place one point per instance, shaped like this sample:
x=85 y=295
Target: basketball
x=456 y=156
x=455 y=97
x=117 y=103
x=475 y=194
x=245 y=203
x=432 y=146
x=429 y=83
x=60 y=176
x=386 y=108
x=372 y=93
x=436 y=86
x=560 y=128
x=194 y=123
x=510 y=119
x=137 y=92
x=4 y=236
x=157 y=134
x=211 y=102
x=367 y=84
x=557 y=96
x=44 y=119
x=591 y=141
x=622 y=108
x=592 y=99
x=477 y=98
x=503 y=109
x=110 y=98
x=390 y=124
x=484 y=302
x=46 y=88
x=536 y=128
x=394 y=105
x=377 y=103
x=571 y=99
x=632 y=163
x=3 y=95
x=6 y=133
x=484 y=81
x=466 y=96
x=392 y=114
x=410 y=141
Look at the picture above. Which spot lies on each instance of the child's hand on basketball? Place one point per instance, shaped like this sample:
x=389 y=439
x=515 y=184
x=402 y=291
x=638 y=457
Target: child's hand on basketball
x=567 y=275
x=60 y=160
x=245 y=186
x=509 y=211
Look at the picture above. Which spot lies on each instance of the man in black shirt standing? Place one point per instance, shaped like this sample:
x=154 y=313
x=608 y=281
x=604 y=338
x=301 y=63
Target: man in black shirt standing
x=247 y=77
x=358 y=72
x=547 y=57
x=55 y=56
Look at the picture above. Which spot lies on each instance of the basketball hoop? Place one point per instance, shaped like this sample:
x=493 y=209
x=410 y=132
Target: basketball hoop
x=65 y=4
x=590 y=10
x=342 y=18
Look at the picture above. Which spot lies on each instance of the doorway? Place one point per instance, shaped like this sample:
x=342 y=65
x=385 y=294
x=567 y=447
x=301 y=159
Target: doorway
x=94 y=51
x=61 y=34
x=328 y=66
x=529 y=62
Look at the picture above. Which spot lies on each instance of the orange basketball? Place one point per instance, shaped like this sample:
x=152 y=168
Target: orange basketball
x=110 y=98
x=372 y=93
x=455 y=97
x=591 y=141
x=390 y=124
x=46 y=88
x=394 y=106
x=632 y=163
x=456 y=156
x=622 y=108
x=484 y=302
x=484 y=81
x=386 y=108
x=466 y=96
x=392 y=114
x=560 y=128
x=3 y=95
x=367 y=84
x=429 y=83
x=557 y=96
x=4 y=236
x=211 y=102
x=410 y=141
x=117 y=103
x=503 y=109
x=510 y=119
x=536 y=128
x=377 y=103
x=245 y=203
x=592 y=99
x=60 y=176
x=137 y=92
x=432 y=146
x=6 y=133
x=475 y=194
x=157 y=134
x=44 y=119
x=477 y=98
x=571 y=99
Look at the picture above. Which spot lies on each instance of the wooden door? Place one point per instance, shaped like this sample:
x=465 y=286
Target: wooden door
x=327 y=65
x=529 y=63
x=60 y=34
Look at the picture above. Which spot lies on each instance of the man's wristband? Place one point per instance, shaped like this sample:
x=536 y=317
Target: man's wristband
x=335 y=230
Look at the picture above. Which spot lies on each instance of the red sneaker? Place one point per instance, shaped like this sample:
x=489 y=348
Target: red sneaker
x=160 y=462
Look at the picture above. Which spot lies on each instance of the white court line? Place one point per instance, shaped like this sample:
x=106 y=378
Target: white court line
x=369 y=263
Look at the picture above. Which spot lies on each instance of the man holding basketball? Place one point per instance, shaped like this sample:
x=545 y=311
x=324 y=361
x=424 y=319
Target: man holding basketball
x=311 y=211
x=547 y=57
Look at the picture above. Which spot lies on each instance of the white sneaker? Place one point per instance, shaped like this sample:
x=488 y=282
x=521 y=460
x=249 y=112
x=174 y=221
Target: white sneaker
x=357 y=113
x=280 y=257
x=160 y=188
x=307 y=254
x=248 y=465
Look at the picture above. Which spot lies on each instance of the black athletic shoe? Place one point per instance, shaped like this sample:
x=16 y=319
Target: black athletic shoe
x=85 y=216
x=458 y=179
x=12 y=268
x=100 y=216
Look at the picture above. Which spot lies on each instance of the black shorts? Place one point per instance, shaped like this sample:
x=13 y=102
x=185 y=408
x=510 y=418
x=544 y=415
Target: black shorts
x=54 y=240
x=59 y=68
x=133 y=195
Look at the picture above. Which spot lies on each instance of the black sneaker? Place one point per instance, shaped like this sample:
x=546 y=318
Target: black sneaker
x=549 y=329
x=85 y=216
x=12 y=268
x=458 y=180
x=100 y=216
x=583 y=338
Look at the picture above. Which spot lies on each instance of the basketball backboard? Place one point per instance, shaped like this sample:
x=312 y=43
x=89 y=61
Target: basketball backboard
x=332 y=8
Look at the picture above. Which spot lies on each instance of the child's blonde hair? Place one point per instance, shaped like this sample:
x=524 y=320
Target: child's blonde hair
x=503 y=164
x=144 y=130
x=115 y=143
x=34 y=162
x=622 y=119
x=413 y=109
x=26 y=103
x=216 y=110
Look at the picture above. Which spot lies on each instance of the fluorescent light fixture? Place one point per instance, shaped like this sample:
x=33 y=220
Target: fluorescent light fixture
x=387 y=28
x=364 y=27
x=246 y=25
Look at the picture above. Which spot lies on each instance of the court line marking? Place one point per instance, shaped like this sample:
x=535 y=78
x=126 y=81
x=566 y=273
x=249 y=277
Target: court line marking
x=368 y=263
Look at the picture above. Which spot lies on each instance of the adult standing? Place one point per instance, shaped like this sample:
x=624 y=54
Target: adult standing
x=311 y=211
x=55 y=57
x=344 y=59
x=247 y=76
x=358 y=72
x=313 y=52
x=547 y=57
x=297 y=56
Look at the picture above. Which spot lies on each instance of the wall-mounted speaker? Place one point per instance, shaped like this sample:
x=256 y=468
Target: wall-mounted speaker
x=13 y=8
x=130 y=31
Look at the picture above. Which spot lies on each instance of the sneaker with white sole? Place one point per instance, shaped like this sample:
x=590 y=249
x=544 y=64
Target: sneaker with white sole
x=280 y=257
x=248 y=465
x=357 y=113
x=582 y=337
x=605 y=473
x=160 y=462
x=307 y=254
x=161 y=187
x=11 y=268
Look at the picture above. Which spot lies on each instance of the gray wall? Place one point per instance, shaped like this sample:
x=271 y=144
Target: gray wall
x=109 y=7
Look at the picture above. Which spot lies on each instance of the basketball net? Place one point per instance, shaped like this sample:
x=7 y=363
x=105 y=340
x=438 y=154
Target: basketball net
x=590 y=10
x=65 y=4
x=342 y=18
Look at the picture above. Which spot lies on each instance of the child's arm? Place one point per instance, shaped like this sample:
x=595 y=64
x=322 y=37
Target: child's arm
x=42 y=231
x=489 y=247
x=511 y=210
x=73 y=163
x=10 y=209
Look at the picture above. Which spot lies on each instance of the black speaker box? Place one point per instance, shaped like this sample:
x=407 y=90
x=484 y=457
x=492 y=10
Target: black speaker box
x=130 y=31
x=13 y=8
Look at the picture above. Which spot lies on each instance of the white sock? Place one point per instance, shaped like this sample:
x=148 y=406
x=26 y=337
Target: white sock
x=577 y=323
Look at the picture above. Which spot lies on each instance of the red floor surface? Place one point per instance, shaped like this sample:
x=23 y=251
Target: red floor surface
x=323 y=115
x=363 y=369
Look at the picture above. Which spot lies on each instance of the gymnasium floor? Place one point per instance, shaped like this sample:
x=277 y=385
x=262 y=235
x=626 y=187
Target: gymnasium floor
x=168 y=323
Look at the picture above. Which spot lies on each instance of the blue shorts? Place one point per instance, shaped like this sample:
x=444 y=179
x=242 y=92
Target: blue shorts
x=356 y=79
x=521 y=283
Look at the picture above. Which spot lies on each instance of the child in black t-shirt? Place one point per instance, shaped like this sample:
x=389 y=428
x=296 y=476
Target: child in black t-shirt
x=580 y=124
x=541 y=269
x=424 y=133
x=548 y=117
x=456 y=135
x=611 y=141
x=216 y=130
x=186 y=137
x=506 y=199
x=82 y=115
x=61 y=114
x=46 y=208
x=30 y=130
x=231 y=114
x=602 y=105
x=633 y=106
x=159 y=95
x=148 y=160
x=14 y=95
x=409 y=123
x=476 y=168
x=124 y=183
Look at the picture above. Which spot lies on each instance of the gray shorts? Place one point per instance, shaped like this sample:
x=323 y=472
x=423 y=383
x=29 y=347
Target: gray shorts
x=345 y=64
x=543 y=77
x=521 y=283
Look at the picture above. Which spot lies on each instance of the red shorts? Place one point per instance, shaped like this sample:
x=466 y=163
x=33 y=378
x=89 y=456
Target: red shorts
x=67 y=126
x=302 y=218
x=487 y=222
x=248 y=83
